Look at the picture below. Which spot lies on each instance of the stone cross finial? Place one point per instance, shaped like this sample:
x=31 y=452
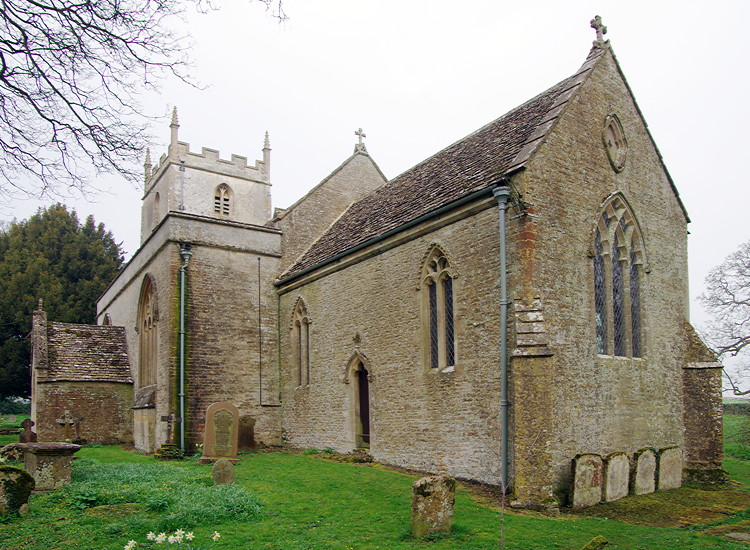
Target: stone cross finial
x=601 y=30
x=360 y=146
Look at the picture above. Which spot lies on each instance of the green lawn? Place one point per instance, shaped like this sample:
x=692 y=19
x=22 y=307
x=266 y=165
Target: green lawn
x=308 y=503
x=303 y=502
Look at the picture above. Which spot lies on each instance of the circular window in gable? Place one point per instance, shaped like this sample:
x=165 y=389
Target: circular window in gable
x=615 y=142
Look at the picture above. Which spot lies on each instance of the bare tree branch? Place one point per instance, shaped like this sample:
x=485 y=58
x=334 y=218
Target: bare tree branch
x=71 y=74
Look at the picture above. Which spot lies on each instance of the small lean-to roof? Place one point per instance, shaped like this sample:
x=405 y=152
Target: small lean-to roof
x=476 y=162
x=87 y=353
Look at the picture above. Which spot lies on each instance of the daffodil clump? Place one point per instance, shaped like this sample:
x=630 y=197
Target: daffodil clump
x=178 y=537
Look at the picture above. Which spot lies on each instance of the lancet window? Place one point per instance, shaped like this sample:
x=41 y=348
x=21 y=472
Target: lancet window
x=438 y=311
x=300 y=339
x=617 y=262
x=147 y=334
x=222 y=200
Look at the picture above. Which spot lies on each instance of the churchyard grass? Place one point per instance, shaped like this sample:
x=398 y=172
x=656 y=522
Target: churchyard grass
x=307 y=503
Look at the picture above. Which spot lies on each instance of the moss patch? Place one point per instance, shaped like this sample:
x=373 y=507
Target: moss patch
x=676 y=508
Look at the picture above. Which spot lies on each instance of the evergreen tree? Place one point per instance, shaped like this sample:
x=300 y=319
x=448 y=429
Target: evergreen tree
x=54 y=257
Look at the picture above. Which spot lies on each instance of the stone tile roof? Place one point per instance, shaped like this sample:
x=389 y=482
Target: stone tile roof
x=476 y=162
x=87 y=353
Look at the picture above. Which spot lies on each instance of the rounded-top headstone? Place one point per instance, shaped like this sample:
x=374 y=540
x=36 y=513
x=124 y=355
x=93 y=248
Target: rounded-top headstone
x=15 y=487
x=223 y=472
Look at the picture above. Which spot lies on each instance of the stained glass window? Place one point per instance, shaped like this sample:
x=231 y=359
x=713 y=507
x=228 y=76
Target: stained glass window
x=635 y=305
x=600 y=297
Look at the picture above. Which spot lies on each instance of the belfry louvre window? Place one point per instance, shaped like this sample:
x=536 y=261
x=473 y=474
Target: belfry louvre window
x=222 y=200
x=300 y=340
x=438 y=300
x=617 y=258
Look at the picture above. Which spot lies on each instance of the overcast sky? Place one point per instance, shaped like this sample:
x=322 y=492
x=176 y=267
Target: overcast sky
x=417 y=75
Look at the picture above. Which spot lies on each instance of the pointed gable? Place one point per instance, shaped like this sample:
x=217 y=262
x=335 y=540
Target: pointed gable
x=476 y=162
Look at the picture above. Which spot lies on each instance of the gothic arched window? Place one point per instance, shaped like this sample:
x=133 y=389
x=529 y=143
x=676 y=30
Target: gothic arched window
x=618 y=257
x=300 y=338
x=222 y=200
x=438 y=302
x=147 y=334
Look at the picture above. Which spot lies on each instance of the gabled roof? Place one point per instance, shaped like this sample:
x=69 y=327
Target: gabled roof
x=87 y=353
x=476 y=162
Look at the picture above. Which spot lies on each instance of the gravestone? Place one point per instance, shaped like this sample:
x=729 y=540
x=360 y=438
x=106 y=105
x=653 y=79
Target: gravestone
x=644 y=472
x=68 y=421
x=11 y=419
x=221 y=432
x=432 y=505
x=669 y=468
x=246 y=440
x=223 y=472
x=616 y=476
x=27 y=435
x=15 y=487
x=48 y=463
x=587 y=480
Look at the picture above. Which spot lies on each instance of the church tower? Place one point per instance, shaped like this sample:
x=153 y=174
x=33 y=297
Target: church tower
x=197 y=298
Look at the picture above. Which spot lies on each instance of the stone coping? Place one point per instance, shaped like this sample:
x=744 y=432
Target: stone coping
x=49 y=448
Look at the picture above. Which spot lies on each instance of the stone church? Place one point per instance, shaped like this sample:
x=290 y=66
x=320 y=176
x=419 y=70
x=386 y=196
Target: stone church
x=515 y=300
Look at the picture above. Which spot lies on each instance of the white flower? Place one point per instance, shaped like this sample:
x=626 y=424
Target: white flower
x=151 y=536
x=161 y=537
x=190 y=536
x=130 y=545
x=216 y=535
x=179 y=533
x=171 y=539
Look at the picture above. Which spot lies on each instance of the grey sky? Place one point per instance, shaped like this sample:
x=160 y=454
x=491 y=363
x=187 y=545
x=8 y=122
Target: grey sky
x=418 y=75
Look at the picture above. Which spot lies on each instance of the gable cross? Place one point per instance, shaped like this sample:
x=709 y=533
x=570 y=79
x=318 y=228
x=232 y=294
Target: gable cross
x=601 y=30
x=360 y=147
x=360 y=134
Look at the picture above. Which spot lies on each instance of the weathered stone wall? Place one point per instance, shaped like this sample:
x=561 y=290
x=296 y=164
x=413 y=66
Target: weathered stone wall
x=104 y=407
x=304 y=221
x=223 y=357
x=703 y=416
x=600 y=404
x=445 y=422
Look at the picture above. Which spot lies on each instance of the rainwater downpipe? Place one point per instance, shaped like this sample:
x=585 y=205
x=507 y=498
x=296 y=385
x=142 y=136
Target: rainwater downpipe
x=502 y=194
x=185 y=253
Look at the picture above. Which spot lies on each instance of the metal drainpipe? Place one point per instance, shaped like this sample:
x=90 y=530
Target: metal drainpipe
x=502 y=194
x=185 y=253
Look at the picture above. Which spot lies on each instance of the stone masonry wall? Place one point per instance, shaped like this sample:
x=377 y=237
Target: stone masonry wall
x=704 y=431
x=443 y=422
x=601 y=403
x=308 y=218
x=104 y=407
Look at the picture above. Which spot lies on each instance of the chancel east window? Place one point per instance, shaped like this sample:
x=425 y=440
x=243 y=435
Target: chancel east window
x=222 y=200
x=438 y=301
x=300 y=338
x=618 y=258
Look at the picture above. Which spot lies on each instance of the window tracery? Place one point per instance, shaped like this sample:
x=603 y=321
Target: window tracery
x=300 y=339
x=617 y=260
x=222 y=200
x=147 y=334
x=439 y=322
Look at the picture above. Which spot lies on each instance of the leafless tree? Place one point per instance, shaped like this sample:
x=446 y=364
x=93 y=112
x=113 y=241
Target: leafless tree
x=727 y=300
x=71 y=74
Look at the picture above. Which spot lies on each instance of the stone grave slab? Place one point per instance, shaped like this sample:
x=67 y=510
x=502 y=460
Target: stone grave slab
x=16 y=485
x=221 y=432
x=643 y=479
x=246 y=440
x=48 y=463
x=669 y=468
x=587 y=480
x=616 y=476
x=223 y=472
x=432 y=505
x=11 y=419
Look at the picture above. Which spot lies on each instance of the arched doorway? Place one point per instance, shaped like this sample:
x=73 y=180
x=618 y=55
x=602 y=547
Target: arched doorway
x=362 y=404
